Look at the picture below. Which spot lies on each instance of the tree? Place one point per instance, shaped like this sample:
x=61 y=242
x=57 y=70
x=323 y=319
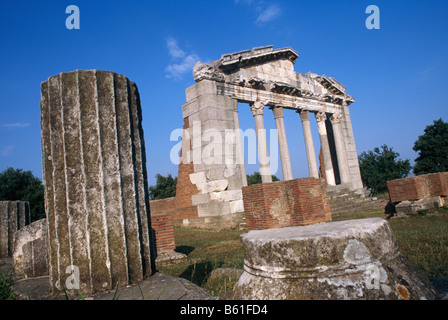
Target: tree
x=432 y=148
x=165 y=187
x=379 y=166
x=256 y=178
x=16 y=184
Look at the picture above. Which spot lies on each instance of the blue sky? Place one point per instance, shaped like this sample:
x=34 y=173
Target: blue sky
x=396 y=74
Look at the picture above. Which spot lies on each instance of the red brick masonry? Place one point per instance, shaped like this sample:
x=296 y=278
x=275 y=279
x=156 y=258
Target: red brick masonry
x=419 y=187
x=162 y=224
x=279 y=204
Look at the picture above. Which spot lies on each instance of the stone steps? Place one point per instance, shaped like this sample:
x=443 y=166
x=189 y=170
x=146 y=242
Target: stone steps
x=352 y=201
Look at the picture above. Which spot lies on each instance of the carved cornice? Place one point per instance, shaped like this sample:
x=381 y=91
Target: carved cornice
x=207 y=71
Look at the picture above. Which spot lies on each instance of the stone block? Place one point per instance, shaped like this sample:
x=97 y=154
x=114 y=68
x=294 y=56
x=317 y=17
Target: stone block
x=236 y=206
x=30 y=252
x=213 y=209
x=228 y=195
x=345 y=260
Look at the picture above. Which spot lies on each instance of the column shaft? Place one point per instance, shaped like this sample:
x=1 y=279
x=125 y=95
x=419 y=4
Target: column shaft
x=239 y=148
x=283 y=143
x=309 y=145
x=94 y=177
x=263 y=156
x=340 y=148
x=328 y=166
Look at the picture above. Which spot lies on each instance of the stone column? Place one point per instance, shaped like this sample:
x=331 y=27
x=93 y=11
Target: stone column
x=340 y=148
x=14 y=215
x=309 y=145
x=257 y=109
x=239 y=147
x=328 y=166
x=4 y=229
x=95 y=180
x=283 y=143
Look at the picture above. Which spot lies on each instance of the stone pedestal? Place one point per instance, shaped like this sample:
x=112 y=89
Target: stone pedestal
x=95 y=181
x=14 y=215
x=354 y=259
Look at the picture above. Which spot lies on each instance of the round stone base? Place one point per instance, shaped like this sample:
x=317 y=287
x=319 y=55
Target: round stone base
x=354 y=259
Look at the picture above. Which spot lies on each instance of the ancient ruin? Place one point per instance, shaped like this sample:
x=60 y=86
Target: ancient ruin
x=14 y=215
x=345 y=260
x=212 y=174
x=94 y=170
x=30 y=250
x=428 y=191
x=99 y=230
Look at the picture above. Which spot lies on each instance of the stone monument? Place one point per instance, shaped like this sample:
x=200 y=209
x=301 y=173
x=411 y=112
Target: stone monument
x=212 y=170
x=94 y=171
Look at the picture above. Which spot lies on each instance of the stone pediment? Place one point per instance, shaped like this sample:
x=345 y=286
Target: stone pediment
x=256 y=56
x=272 y=71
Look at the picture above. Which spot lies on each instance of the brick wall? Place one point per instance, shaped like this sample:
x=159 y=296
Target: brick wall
x=419 y=187
x=162 y=224
x=185 y=189
x=295 y=202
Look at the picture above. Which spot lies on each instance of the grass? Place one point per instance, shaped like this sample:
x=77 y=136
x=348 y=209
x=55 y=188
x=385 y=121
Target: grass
x=207 y=250
x=422 y=239
x=6 y=281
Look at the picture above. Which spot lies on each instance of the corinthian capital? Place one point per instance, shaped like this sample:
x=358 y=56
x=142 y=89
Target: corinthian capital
x=257 y=107
x=336 y=117
x=320 y=116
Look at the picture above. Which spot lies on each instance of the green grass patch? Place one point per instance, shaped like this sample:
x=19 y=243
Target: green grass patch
x=207 y=250
x=6 y=281
x=422 y=238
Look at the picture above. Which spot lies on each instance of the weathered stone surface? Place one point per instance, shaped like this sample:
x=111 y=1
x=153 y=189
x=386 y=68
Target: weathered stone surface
x=30 y=252
x=14 y=215
x=354 y=259
x=94 y=171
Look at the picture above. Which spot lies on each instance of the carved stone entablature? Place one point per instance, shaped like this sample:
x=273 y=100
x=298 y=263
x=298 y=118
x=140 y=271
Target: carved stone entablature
x=307 y=93
x=255 y=56
x=349 y=99
x=207 y=71
x=285 y=88
x=239 y=81
x=331 y=85
x=255 y=82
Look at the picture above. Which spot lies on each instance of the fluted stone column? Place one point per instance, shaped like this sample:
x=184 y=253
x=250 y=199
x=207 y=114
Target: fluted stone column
x=283 y=143
x=340 y=148
x=14 y=215
x=257 y=109
x=309 y=145
x=95 y=180
x=328 y=166
x=239 y=147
